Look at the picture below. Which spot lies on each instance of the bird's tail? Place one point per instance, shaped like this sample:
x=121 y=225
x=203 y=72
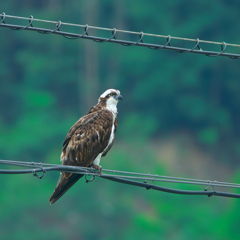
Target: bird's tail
x=63 y=185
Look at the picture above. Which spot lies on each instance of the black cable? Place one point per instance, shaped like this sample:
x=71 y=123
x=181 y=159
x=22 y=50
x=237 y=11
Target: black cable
x=113 y=39
x=93 y=172
x=171 y=190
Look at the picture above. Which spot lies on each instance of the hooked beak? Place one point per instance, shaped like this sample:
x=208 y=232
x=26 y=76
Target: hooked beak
x=118 y=97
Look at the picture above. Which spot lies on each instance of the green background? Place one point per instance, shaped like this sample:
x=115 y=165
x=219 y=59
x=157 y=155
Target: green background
x=179 y=117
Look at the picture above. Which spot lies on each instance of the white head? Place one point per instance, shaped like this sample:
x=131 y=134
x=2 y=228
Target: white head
x=109 y=99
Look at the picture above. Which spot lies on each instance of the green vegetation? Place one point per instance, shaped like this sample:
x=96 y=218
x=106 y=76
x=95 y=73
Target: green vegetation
x=179 y=117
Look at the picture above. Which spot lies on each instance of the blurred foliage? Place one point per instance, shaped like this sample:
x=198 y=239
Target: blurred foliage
x=48 y=82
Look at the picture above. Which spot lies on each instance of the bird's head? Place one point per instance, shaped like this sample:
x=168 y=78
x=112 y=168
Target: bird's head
x=109 y=99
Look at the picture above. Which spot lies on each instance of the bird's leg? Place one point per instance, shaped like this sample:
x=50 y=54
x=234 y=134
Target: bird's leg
x=98 y=167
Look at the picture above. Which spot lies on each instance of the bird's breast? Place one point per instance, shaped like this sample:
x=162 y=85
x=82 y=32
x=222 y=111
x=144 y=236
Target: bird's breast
x=112 y=132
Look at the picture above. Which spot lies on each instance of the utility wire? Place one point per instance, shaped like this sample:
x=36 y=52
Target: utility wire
x=131 y=178
x=113 y=39
x=121 y=176
x=124 y=174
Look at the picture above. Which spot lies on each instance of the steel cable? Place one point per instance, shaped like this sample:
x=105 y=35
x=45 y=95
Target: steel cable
x=130 y=178
x=113 y=39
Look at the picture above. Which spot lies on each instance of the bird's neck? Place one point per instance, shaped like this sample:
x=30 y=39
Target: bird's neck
x=95 y=108
x=113 y=109
x=109 y=105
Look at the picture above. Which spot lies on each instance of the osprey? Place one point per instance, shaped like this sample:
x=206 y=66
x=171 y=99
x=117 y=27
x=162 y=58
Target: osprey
x=89 y=139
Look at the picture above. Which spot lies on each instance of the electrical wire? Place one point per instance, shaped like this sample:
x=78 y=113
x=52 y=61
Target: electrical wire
x=130 y=178
x=167 y=46
x=123 y=174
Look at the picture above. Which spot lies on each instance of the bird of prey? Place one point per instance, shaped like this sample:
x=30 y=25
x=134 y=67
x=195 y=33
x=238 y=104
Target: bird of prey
x=89 y=139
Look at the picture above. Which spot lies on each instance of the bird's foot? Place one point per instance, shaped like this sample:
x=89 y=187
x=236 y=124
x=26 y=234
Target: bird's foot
x=98 y=167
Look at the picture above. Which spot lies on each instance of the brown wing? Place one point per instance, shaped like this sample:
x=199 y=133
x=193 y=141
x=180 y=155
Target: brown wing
x=79 y=123
x=87 y=138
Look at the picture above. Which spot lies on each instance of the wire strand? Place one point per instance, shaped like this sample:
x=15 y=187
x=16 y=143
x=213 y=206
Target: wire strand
x=123 y=31
x=123 y=42
x=133 y=179
x=121 y=174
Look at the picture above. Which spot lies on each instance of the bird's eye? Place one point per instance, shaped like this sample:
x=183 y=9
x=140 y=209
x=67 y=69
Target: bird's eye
x=112 y=94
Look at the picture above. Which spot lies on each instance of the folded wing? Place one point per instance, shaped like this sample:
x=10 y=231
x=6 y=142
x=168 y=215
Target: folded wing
x=88 y=137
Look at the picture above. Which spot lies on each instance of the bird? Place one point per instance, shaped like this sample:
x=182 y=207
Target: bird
x=88 y=140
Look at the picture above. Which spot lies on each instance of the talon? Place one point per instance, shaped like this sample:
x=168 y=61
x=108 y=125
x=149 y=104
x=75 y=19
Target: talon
x=98 y=167
x=100 y=170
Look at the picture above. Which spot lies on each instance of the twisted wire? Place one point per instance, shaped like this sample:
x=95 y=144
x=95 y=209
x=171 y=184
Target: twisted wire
x=131 y=178
x=124 y=174
x=113 y=39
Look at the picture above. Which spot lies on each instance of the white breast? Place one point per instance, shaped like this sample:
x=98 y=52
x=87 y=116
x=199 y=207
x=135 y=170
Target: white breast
x=112 y=132
x=98 y=158
x=111 y=105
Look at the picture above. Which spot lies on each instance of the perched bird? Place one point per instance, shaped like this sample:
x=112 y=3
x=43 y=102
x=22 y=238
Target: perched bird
x=89 y=139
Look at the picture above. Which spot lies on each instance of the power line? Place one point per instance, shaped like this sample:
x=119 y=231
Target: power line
x=114 y=175
x=131 y=178
x=196 y=49
x=118 y=30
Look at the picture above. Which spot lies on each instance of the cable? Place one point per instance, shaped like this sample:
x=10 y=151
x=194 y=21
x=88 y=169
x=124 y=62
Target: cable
x=112 y=39
x=124 y=174
x=130 y=178
x=121 y=176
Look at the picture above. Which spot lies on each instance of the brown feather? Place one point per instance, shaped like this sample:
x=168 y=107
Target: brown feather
x=88 y=137
x=110 y=145
x=63 y=185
